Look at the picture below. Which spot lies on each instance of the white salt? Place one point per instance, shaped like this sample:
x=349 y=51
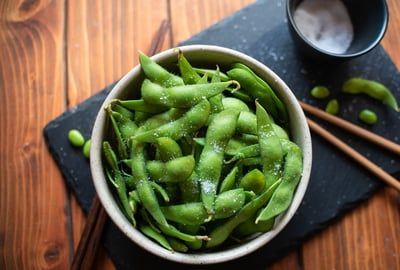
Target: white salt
x=326 y=24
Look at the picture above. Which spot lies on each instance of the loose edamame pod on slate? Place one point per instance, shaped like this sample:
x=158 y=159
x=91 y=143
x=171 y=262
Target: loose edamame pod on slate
x=270 y=146
x=86 y=148
x=173 y=171
x=226 y=204
x=368 y=117
x=320 y=92
x=209 y=167
x=222 y=232
x=184 y=96
x=371 y=88
x=332 y=107
x=157 y=73
x=76 y=138
x=283 y=195
x=189 y=75
x=191 y=121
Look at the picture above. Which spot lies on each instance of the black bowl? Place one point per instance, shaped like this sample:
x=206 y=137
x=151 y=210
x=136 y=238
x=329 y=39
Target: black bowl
x=369 y=18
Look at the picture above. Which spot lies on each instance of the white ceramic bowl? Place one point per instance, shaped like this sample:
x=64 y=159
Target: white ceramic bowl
x=129 y=85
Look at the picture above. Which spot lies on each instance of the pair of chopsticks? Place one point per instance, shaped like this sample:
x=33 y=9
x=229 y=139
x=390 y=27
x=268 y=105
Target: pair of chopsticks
x=90 y=240
x=358 y=131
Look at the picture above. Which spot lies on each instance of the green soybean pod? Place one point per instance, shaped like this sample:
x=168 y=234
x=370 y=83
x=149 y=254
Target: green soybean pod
x=332 y=107
x=141 y=106
x=371 y=88
x=209 y=167
x=203 y=71
x=173 y=171
x=320 y=92
x=368 y=117
x=86 y=148
x=168 y=149
x=184 y=96
x=191 y=121
x=229 y=181
x=157 y=73
x=283 y=195
x=158 y=237
x=249 y=227
x=270 y=146
x=228 y=203
x=234 y=104
x=158 y=120
x=143 y=185
x=76 y=138
x=122 y=110
x=222 y=232
x=177 y=245
x=189 y=75
x=253 y=181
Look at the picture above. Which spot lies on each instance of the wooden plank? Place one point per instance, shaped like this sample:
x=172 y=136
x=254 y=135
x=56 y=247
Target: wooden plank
x=391 y=41
x=34 y=225
x=103 y=39
x=369 y=237
x=190 y=17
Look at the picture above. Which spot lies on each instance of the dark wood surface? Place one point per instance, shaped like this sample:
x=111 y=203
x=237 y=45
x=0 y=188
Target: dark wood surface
x=55 y=54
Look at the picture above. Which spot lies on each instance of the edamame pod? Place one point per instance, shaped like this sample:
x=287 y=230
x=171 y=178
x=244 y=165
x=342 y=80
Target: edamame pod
x=158 y=237
x=253 y=181
x=181 y=96
x=143 y=186
x=371 y=88
x=231 y=103
x=283 y=195
x=270 y=146
x=229 y=181
x=157 y=73
x=191 y=121
x=189 y=75
x=173 y=171
x=222 y=232
x=203 y=71
x=208 y=171
x=226 y=204
x=141 y=106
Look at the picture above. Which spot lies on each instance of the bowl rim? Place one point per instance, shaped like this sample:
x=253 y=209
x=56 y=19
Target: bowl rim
x=373 y=44
x=112 y=209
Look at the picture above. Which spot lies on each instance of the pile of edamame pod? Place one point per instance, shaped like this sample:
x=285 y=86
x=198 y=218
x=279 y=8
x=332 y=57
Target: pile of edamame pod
x=201 y=159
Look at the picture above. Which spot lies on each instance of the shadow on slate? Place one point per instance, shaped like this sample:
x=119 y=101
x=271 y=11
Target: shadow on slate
x=337 y=184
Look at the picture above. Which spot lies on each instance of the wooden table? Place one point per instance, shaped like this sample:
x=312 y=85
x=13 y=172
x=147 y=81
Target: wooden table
x=55 y=54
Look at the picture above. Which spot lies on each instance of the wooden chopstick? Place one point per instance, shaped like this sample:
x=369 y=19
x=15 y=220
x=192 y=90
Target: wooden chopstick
x=90 y=240
x=356 y=156
x=87 y=248
x=356 y=130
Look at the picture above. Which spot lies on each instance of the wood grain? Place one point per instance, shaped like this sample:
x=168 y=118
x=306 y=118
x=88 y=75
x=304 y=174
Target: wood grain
x=190 y=17
x=34 y=227
x=103 y=38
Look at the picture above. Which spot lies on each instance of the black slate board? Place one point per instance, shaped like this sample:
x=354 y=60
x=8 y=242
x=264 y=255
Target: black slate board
x=337 y=184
